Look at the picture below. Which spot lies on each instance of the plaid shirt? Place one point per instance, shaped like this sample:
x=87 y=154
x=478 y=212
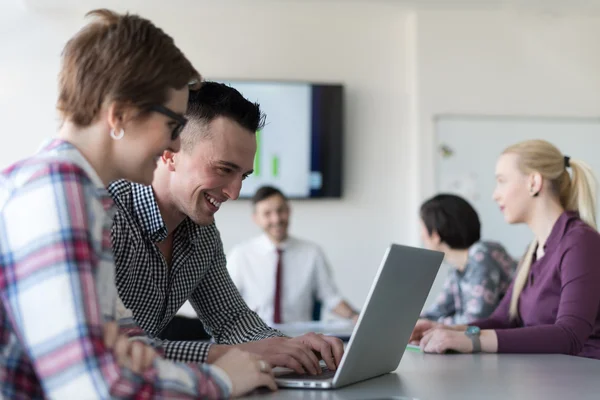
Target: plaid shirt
x=57 y=289
x=153 y=292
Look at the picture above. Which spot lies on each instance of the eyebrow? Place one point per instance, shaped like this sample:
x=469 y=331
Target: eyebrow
x=235 y=166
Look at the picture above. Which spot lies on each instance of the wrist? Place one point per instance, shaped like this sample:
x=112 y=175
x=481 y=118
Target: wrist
x=215 y=352
x=489 y=341
x=459 y=328
x=474 y=333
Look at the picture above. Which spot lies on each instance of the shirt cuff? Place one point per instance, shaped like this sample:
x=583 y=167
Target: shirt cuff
x=221 y=375
x=332 y=302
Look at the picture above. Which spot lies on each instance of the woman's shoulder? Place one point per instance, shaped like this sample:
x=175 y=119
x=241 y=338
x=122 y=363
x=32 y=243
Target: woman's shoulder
x=487 y=248
x=578 y=232
x=492 y=255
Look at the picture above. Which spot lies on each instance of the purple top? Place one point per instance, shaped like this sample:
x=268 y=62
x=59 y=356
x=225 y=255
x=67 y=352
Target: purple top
x=559 y=308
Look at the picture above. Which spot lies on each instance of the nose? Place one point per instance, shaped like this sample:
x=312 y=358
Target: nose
x=495 y=195
x=175 y=145
x=232 y=190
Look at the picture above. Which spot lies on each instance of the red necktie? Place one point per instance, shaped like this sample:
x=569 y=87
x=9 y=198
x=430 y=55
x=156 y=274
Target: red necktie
x=277 y=304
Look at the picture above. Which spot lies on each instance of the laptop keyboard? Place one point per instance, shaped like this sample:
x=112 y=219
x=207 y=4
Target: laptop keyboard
x=326 y=374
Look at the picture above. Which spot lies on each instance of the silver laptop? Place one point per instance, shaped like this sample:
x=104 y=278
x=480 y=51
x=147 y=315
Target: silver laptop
x=379 y=339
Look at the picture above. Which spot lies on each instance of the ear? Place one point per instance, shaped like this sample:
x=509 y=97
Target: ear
x=536 y=183
x=114 y=116
x=118 y=114
x=435 y=238
x=168 y=158
x=255 y=216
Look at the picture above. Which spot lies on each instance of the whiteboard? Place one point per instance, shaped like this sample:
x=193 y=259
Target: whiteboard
x=467 y=148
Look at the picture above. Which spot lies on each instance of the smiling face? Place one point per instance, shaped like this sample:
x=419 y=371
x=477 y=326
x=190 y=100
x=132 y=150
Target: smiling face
x=273 y=215
x=150 y=136
x=212 y=171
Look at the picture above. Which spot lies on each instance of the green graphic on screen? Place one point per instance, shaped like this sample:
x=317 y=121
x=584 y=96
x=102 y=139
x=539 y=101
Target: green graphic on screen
x=283 y=145
x=258 y=159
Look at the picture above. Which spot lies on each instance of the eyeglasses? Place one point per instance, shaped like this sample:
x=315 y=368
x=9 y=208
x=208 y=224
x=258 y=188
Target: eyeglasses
x=180 y=119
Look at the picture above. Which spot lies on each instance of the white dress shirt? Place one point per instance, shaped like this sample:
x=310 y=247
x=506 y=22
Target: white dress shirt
x=306 y=276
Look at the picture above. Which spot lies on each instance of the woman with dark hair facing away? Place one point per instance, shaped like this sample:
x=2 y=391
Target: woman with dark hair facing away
x=480 y=271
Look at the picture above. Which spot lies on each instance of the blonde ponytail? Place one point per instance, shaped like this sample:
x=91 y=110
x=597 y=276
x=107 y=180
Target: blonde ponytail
x=521 y=279
x=582 y=193
x=576 y=192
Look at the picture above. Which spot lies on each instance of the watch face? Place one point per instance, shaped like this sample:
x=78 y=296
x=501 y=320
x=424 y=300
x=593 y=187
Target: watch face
x=472 y=330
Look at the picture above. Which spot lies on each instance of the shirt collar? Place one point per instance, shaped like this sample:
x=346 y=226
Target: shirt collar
x=64 y=150
x=269 y=247
x=560 y=228
x=147 y=212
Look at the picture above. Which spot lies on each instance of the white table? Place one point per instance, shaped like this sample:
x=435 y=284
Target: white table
x=465 y=377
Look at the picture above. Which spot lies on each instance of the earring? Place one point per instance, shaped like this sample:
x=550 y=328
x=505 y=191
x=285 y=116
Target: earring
x=119 y=136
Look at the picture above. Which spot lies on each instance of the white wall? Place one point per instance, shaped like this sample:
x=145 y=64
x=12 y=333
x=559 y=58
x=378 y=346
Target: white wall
x=359 y=44
x=503 y=63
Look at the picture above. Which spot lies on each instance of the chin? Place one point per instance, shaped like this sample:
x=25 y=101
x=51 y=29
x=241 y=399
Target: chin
x=141 y=179
x=203 y=220
x=510 y=220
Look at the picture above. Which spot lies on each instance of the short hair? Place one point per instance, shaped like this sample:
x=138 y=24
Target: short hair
x=122 y=58
x=213 y=100
x=454 y=220
x=266 y=192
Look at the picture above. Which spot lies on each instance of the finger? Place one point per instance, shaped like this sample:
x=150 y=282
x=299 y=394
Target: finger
x=326 y=354
x=425 y=340
x=149 y=355
x=136 y=353
x=313 y=358
x=264 y=367
x=428 y=331
x=287 y=361
x=306 y=357
x=268 y=381
x=309 y=344
x=435 y=345
x=337 y=347
x=416 y=335
x=111 y=332
x=120 y=351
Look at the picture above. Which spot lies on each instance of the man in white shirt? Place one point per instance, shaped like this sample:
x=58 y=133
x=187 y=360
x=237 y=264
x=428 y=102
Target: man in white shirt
x=280 y=277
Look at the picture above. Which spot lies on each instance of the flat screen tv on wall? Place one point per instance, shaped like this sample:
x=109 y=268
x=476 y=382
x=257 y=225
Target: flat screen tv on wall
x=300 y=149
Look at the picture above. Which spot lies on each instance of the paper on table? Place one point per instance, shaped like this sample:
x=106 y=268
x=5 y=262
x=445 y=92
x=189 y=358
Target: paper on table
x=335 y=327
x=412 y=347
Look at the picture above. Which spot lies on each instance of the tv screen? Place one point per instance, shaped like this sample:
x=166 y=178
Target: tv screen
x=300 y=148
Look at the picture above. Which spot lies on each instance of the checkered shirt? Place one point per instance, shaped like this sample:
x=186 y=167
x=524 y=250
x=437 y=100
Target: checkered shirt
x=57 y=289
x=153 y=292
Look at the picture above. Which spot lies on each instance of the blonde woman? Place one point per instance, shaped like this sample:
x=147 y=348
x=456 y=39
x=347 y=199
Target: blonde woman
x=553 y=305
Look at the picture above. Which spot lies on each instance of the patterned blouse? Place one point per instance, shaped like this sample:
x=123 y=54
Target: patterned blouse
x=475 y=292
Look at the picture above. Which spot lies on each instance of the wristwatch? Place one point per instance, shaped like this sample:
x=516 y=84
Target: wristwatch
x=473 y=332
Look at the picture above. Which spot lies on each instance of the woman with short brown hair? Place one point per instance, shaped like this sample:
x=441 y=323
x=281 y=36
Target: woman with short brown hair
x=123 y=92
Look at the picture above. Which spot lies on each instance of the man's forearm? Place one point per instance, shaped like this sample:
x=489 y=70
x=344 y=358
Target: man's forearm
x=344 y=310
